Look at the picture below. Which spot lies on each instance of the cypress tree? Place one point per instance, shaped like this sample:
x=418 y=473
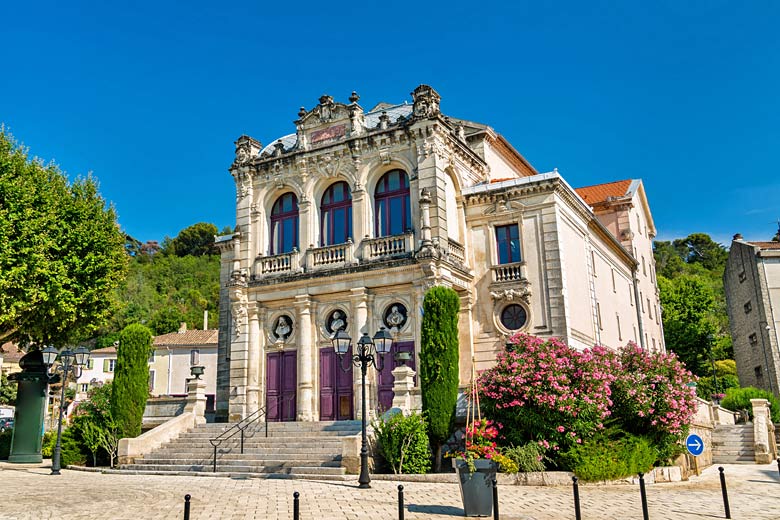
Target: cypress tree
x=130 y=388
x=439 y=365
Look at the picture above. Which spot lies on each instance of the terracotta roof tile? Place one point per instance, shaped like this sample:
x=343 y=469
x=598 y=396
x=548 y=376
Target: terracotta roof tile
x=104 y=350
x=10 y=353
x=188 y=337
x=601 y=192
x=766 y=245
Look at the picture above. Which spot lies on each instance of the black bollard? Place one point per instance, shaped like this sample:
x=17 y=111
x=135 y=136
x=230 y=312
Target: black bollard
x=495 y=499
x=296 y=506
x=642 y=492
x=187 y=507
x=577 y=514
x=725 y=492
x=400 y=502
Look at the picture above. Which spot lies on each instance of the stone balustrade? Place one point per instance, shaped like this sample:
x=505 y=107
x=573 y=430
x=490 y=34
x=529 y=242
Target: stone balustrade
x=277 y=264
x=509 y=272
x=376 y=248
x=456 y=251
x=337 y=255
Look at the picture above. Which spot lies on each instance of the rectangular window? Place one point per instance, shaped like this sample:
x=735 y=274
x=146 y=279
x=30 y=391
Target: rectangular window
x=631 y=294
x=614 y=286
x=742 y=276
x=593 y=262
x=508 y=243
x=644 y=266
x=748 y=307
x=109 y=365
x=151 y=356
x=753 y=338
x=620 y=332
x=649 y=309
x=641 y=302
x=151 y=380
x=653 y=344
x=759 y=375
x=598 y=315
x=636 y=338
x=90 y=364
x=84 y=387
x=194 y=357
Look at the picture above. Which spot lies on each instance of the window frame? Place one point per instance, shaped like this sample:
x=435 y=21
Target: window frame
x=384 y=198
x=508 y=241
x=328 y=212
x=194 y=357
x=278 y=219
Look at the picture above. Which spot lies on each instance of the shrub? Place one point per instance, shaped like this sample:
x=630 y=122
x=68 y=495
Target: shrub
x=602 y=458
x=546 y=391
x=48 y=443
x=71 y=449
x=529 y=457
x=651 y=397
x=403 y=443
x=5 y=443
x=439 y=365
x=505 y=464
x=739 y=399
x=130 y=387
x=705 y=387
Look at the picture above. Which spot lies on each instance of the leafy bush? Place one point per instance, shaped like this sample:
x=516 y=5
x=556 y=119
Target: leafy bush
x=5 y=443
x=529 y=457
x=71 y=452
x=505 y=464
x=403 y=443
x=602 y=458
x=739 y=399
x=439 y=364
x=48 y=443
x=705 y=387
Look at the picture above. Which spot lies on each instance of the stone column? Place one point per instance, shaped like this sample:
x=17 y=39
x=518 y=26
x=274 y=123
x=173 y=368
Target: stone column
x=196 y=399
x=253 y=362
x=761 y=422
x=402 y=388
x=305 y=359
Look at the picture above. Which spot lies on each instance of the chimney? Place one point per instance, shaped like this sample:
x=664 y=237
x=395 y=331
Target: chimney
x=182 y=327
x=738 y=236
x=205 y=320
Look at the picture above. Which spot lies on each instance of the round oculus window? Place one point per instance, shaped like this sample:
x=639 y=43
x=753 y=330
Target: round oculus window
x=513 y=316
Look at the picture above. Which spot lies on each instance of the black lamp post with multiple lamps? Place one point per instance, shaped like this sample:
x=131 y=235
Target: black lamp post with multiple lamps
x=369 y=352
x=70 y=362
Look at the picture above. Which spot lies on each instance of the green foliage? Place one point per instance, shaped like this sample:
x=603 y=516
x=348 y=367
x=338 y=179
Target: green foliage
x=7 y=390
x=5 y=443
x=106 y=340
x=505 y=464
x=605 y=458
x=705 y=387
x=195 y=240
x=164 y=291
x=130 y=387
x=726 y=367
x=688 y=305
x=439 y=364
x=739 y=399
x=529 y=457
x=47 y=444
x=71 y=452
x=403 y=443
x=62 y=254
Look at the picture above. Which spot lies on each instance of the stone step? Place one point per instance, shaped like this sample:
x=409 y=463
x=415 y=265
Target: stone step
x=237 y=469
x=315 y=457
x=198 y=450
x=247 y=461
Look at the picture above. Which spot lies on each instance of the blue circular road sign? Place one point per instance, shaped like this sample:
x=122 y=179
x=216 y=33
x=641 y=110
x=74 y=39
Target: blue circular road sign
x=695 y=444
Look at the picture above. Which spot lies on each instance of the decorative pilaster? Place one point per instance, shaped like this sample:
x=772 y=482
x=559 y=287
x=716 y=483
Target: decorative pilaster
x=253 y=364
x=305 y=359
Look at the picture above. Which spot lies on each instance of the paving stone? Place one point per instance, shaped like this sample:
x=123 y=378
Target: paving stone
x=29 y=492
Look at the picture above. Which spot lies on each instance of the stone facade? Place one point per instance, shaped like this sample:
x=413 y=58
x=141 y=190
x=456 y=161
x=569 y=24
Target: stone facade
x=752 y=284
x=433 y=200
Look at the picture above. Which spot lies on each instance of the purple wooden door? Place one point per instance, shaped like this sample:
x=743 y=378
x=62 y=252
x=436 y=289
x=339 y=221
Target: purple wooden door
x=281 y=386
x=386 y=378
x=335 y=388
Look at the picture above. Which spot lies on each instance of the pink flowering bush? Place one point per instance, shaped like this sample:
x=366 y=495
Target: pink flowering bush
x=547 y=392
x=651 y=397
x=550 y=393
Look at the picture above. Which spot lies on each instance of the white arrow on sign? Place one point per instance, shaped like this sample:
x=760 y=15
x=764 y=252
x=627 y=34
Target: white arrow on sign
x=695 y=444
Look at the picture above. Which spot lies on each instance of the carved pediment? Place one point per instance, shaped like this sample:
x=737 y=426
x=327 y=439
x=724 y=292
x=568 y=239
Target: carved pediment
x=328 y=121
x=521 y=291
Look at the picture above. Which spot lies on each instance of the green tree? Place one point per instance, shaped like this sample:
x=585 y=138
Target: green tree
x=62 y=254
x=130 y=387
x=688 y=304
x=195 y=240
x=7 y=391
x=699 y=248
x=439 y=365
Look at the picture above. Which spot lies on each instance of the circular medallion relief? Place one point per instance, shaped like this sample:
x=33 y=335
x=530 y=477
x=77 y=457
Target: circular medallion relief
x=395 y=316
x=514 y=316
x=337 y=320
x=283 y=327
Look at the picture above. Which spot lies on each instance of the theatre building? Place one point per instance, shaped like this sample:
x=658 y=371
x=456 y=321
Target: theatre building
x=347 y=222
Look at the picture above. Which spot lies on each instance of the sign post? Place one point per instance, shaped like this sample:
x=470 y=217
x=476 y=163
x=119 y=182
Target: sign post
x=695 y=446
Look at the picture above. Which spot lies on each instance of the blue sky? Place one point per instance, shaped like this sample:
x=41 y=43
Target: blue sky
x=150 y=96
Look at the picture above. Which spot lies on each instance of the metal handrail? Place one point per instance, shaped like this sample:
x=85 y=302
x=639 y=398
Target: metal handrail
x=241 y=426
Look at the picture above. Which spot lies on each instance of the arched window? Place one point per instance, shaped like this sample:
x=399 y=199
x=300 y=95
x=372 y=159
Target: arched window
x=393 y=214
x=284 y=224
x=336 y=214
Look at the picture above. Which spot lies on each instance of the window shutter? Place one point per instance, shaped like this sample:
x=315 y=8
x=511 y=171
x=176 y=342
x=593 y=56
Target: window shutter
x=105 y=365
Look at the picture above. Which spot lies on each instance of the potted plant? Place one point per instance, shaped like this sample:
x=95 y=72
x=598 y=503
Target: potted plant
x=476 y=469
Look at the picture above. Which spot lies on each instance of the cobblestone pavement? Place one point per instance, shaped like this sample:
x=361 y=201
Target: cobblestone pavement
x=29 y=492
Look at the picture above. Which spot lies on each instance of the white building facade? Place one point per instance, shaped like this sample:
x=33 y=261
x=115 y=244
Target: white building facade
x=345 y=224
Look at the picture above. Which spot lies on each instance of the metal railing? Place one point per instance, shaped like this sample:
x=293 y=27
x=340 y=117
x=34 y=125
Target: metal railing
x=240 y=426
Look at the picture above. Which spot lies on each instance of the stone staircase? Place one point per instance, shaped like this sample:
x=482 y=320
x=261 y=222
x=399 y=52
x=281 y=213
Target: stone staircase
x=733 y=444
x=290 y=448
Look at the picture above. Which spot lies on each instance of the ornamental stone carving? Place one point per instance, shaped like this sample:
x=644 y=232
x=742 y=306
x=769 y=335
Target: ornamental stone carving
x=246 y=148
x=426 y=102
x=523 y=292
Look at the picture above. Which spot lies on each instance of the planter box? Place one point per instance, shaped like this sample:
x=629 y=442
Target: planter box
x=476 y=489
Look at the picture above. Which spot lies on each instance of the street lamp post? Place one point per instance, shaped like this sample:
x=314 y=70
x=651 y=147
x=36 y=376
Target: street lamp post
x=70 y=362
x=369 y=353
